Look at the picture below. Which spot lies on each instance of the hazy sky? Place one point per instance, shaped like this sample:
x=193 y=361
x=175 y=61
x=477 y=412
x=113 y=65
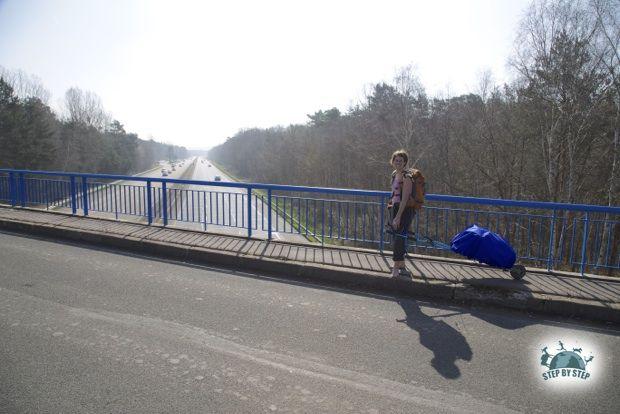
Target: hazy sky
x=195 y=72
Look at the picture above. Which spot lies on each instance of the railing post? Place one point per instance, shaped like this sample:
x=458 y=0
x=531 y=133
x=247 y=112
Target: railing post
x=164 y=202
x=149 y=204
x=381 y=230
x=22 y=190
x=13 y=189
x=584 y=244
x=85 y=196
x=73 y=195
x=551 y=242
x=269 y=214
x=249 y=211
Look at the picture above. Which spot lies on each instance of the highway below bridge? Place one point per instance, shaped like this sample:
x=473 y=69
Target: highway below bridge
x=217 y=209
x=91 y=330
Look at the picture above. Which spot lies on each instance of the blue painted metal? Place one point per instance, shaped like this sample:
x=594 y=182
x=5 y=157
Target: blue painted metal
x=584 y=244
x=85 y=195
x=13 y=189
x=382 y=225
x=22 y=190
x=551 y=241
x=609 y=238
x=572 y=243
x=269 y=212
x=164 y=202
x=322 y=221
x=149 y=201
x=250 y=212
x=73 y=195
x=358 y=221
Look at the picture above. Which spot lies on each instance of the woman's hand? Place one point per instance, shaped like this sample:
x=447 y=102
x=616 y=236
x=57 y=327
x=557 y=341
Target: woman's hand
x=396 y=222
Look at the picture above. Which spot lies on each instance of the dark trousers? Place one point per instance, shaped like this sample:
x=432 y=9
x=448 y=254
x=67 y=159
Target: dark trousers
x=400 y=238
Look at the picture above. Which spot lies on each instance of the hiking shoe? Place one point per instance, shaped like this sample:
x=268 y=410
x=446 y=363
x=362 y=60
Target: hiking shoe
x=403 y=272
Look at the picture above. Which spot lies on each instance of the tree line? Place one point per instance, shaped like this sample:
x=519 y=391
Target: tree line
x=84 y=139
x=550 y=134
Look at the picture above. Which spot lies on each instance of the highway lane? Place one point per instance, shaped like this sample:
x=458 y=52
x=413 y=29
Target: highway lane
x=123 y=199
x=196 y=207
x=226 y=208
x=87 y=330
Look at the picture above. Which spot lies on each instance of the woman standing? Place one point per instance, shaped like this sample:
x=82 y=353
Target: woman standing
x=400 y=214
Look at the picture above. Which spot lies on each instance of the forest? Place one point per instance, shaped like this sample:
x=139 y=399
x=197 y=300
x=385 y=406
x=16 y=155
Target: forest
x=82 y=139
x=551 y=134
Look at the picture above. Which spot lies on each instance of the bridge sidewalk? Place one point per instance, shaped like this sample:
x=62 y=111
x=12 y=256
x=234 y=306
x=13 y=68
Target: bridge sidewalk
x=594 y=298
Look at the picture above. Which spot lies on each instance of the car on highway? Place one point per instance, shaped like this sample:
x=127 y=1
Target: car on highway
x=164 y=174
x=218 y=178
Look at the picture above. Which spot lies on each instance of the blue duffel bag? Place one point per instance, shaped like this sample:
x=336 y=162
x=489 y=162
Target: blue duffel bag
x=483 y=245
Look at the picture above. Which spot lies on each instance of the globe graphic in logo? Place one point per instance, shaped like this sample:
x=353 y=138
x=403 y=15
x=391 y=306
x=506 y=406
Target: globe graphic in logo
x=567 y=359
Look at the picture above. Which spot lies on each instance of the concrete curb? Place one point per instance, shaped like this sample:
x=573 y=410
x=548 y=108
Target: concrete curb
x=469 y=294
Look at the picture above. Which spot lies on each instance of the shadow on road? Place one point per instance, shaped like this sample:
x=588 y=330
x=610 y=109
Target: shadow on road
x=448 y=344
x=497 y=318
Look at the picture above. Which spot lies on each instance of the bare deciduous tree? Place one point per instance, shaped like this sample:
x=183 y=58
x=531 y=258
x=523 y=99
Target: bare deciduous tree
x=25 y=85
x=85 y=108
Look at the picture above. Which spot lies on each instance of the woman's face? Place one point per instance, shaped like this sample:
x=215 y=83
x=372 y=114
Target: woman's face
x=398 y=162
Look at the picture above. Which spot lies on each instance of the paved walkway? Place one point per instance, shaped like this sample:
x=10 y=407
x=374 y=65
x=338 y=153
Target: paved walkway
x=476 y=280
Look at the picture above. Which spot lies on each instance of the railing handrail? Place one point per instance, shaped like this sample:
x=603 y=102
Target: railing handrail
x=544 y=205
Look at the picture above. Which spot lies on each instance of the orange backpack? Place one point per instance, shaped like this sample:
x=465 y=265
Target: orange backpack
x=418 y=190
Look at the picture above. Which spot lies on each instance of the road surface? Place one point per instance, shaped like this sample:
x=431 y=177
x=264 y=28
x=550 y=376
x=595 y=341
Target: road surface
x=98 y=331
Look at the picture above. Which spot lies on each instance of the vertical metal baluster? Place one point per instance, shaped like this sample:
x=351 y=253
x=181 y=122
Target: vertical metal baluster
x=322 y=221
x=217 y=209
x=115 y=189
x=85 y=195
x=149 y=203
x=164 y=202
x=382 y=216
x=584 y=243
x=551 y=241
x=314 y=226
x=331 y=217
x=22 y=190
x=12 y=189
x=608 y=251
x=194 y=208
x=346 y=227
x=269 y=214
x=529 y=236
x=540 y=240
x=355 y=221
x=211 y=206
x=249 y=211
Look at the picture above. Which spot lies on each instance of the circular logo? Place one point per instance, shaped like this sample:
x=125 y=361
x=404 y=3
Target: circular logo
x=567 y=359
x=566 y=362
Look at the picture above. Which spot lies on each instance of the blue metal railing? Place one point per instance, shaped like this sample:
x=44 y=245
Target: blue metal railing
x=572 y=237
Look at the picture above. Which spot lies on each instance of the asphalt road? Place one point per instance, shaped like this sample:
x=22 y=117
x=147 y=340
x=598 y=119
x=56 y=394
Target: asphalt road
x=95 y=331
x=115 y=199
x=226 y=209
x=195 y=207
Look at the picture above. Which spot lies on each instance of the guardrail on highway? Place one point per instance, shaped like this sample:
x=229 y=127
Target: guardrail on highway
x=573 y=237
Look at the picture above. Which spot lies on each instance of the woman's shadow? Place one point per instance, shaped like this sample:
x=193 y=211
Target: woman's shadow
x=448 y=344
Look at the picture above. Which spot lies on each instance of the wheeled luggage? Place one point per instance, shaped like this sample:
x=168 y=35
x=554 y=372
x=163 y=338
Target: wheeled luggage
x=478 y=243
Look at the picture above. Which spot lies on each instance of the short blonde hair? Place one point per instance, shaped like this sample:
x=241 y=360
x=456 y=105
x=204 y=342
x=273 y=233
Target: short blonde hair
x=400 y=153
